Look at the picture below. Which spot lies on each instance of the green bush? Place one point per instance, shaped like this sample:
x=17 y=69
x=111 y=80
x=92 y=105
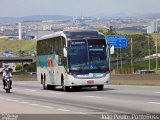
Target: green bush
x=18 y=67
x=31 y=67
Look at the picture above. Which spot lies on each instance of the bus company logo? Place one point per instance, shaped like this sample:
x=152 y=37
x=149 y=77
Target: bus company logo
x=49 y=62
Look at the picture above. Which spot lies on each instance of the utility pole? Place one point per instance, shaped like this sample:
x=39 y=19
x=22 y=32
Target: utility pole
x=156 y=50
x=149 y=53
x=131 y=55
x=121 y=58
x=117 y=61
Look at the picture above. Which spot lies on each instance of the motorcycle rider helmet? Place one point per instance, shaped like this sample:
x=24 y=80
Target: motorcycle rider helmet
x=7 y=70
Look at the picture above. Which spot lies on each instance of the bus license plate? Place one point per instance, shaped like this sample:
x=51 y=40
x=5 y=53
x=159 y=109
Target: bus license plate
x=90 y=82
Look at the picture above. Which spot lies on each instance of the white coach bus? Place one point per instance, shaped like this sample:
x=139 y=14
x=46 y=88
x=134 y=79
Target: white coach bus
x=73 y=59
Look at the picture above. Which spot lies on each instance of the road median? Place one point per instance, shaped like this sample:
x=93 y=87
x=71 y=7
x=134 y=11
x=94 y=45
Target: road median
x=23 y=77
x=145 y=80
x=134 y=79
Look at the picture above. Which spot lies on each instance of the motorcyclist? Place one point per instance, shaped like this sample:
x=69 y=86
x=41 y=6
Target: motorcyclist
x=7 y=74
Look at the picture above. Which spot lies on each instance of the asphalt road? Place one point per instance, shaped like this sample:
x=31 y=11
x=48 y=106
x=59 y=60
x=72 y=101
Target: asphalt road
x=29 y=98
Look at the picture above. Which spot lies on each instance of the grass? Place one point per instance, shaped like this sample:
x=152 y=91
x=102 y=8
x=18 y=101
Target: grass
x=156 y=37
x=142 y=65
x=20 y=73
x=129 y=32
x=158 y=72
x=134 y=79
x=17 y=45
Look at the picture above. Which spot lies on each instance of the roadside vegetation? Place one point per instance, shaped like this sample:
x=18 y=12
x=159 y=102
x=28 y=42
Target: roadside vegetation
x=143 y=65
x=142 y=43
x=19 y=47
x=140 y=47
x=127 y=32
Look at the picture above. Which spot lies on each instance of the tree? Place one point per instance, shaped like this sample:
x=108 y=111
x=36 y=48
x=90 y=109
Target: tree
x=18 y=67
x=21 y=53
x=31 y=67
x=140 y=45
x=106 y=31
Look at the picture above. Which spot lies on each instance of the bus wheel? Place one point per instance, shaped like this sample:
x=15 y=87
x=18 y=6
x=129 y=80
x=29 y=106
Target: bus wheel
x=44 y=82
x=77 y=88
x=66 y=88
x=50 y=87
x=100 y=87
x=44 y=85
x=41 y=78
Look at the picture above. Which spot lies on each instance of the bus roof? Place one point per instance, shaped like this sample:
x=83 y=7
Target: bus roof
x=75 y=34
x=55 y=34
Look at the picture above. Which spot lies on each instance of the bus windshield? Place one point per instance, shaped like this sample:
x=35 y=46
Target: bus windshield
x=88 y=55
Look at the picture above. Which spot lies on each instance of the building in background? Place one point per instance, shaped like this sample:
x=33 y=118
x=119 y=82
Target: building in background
x=153 y=27
x=20 y=31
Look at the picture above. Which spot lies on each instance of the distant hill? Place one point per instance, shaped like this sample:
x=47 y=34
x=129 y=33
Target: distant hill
x=66 y=18
x=129 y=16
x=34 y=18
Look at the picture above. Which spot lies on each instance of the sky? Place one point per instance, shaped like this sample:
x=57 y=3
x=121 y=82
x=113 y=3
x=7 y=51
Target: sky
x=19 y=8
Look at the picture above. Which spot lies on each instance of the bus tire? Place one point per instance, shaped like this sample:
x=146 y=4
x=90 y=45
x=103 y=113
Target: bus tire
x=66 y=88
x=100 y=87
x=44 y=85
x=50 y=87
x=44 y=82
x=41 y=78
x=77 y=88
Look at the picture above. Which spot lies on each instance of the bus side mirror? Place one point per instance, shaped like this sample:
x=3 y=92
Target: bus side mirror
x=65 y=52
x=112 y=50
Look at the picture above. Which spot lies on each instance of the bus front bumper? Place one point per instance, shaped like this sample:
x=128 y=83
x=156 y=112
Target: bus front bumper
x=72 y=81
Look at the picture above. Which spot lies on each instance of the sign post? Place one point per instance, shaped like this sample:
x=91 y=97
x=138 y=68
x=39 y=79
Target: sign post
x=118 y=41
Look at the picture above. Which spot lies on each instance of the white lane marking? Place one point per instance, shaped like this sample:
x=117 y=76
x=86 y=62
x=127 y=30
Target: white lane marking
x=59 y=93
x=35 y=104
x=38 y=105
x=65 y=110
x=8 y=99
x=21 y=83
x=14 y=100
x=157 y=92
x=30 y=90
x=79 y=113
x=15 y=88
x=46 y=106
x=93 y=97
x=56 y=93
x=24 y=102
x=2 y=98
x=154 y=103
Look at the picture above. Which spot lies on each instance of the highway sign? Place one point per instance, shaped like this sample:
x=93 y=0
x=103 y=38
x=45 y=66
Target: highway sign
x=118 y=41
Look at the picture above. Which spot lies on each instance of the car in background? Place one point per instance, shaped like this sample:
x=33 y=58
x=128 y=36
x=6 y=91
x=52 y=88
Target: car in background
x=145 y=72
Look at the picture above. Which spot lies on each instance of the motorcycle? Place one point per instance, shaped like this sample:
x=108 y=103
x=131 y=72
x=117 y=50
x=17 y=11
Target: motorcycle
x=7 y=85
